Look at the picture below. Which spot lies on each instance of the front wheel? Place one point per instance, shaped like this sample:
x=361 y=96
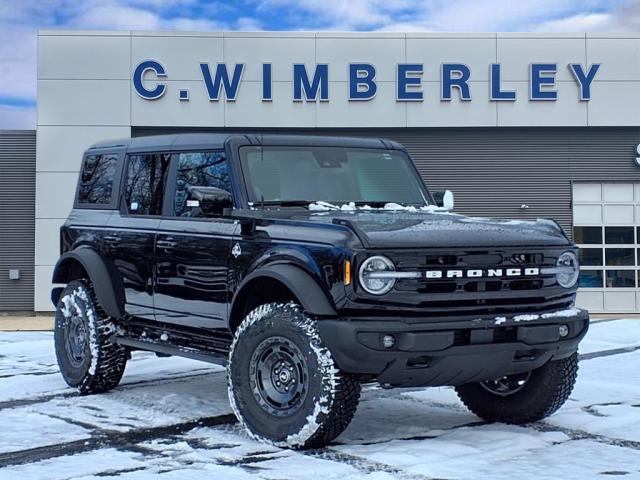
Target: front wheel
x=284 y=386
x=522 y=398
x=87 y=357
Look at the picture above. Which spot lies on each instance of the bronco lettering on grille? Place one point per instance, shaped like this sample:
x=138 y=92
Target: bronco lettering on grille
x=486 y=273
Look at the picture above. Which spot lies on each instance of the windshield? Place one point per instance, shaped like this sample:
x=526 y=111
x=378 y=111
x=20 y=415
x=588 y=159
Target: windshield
x=307 y=174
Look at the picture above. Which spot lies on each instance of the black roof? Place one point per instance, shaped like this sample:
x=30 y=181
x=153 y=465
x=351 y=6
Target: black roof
x=190 y=141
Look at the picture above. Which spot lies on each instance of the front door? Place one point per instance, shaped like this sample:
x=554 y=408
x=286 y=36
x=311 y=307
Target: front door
x=192 y=252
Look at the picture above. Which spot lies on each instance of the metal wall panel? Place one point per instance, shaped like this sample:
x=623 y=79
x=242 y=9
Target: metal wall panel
x=495 y=171
x=17 y=218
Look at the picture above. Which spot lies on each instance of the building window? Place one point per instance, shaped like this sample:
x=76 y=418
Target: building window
x=590 y=279
x=587 y=235
x=619 y=235
x=614 y=250
x=620 y=279
x=145 y=183
x=620 y=256
x=96 y=179
x=590 y=257
x=207 y=169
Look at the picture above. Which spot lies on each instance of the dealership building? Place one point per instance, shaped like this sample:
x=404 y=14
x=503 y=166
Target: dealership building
x=516 y=125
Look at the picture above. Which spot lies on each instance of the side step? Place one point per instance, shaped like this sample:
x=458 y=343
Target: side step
x=167 y=349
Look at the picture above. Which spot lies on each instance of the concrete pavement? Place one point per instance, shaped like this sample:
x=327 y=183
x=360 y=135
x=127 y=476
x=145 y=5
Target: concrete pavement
x=18 y=323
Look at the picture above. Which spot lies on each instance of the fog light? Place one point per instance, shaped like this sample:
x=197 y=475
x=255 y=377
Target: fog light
x=388 y=341
x=563 y=330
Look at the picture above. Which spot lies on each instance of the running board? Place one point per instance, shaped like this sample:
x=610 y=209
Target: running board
x=166 y=349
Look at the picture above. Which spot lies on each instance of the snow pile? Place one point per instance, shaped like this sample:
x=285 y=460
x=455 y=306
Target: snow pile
x=569 y=312
x=321 y=206
x=530 y=317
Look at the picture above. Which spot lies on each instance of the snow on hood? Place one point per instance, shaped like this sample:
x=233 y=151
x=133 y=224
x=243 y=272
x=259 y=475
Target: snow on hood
x=321 y=206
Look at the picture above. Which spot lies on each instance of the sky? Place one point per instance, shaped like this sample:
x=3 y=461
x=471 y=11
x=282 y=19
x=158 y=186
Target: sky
x=21 y=19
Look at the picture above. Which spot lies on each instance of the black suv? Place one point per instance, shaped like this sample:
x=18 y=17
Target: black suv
x=309 y=266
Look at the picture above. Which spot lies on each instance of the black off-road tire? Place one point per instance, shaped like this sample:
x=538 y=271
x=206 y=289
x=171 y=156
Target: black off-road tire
x=96 y=364
x=543 y=393
x=309 y=420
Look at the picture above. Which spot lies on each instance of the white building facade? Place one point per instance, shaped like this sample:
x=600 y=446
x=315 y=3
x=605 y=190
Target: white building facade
x=517 y=125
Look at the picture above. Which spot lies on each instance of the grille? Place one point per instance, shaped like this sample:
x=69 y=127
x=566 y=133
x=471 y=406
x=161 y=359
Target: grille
x=482 y=295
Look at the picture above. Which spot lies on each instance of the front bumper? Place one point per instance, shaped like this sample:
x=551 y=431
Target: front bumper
x=443 y=352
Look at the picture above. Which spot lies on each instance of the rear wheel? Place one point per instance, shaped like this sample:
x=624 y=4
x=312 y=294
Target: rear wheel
x=284 y=386
x=87 y=357
x=522 y=398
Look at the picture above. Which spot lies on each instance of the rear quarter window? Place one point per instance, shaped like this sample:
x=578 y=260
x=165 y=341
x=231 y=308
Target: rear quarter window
x=96 y=179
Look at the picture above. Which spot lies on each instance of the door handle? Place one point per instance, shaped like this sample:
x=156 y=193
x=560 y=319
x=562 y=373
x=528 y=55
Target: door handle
x=112 y=239
x=165 y=244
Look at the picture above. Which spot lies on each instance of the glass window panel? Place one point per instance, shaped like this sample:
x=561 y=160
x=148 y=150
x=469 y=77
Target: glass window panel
x=146 y=179
x=619 y=256
x=618 y=235
x=590 y=279
x=96 y=181
x=620 y=278
x=590 y=256
x=197 y=169
x=587 y=234
x=333 y=174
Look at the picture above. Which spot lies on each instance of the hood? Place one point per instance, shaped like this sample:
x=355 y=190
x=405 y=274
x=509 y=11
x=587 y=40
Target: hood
x=418 y=229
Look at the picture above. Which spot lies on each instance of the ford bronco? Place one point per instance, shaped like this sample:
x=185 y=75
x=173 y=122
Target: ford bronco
x=309 y=266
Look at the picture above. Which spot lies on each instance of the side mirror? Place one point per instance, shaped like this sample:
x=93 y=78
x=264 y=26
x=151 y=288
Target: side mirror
x=444 y=199
x=208 y=201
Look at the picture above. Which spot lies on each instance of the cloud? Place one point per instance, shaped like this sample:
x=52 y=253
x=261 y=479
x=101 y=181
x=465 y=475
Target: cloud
x=17 y=118
x=20 y=20
x=18 y=62
x=340 y=14
x=116 y=17
x=626 y=18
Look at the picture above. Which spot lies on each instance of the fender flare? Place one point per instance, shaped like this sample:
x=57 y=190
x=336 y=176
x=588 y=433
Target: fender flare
x=105 y=280
x=306 y=289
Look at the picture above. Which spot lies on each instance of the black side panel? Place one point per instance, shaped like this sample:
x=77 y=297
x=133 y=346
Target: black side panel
x=104 y=279
x=303 y=286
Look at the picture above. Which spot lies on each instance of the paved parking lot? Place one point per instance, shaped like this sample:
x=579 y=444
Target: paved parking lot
x=170 y=418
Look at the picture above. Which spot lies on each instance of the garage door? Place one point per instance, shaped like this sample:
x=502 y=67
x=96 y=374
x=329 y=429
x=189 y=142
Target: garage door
x=17 y=219
x=606 y=226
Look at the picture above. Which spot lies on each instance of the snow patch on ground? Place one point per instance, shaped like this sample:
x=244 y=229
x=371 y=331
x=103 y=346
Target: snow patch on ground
x=411 y=433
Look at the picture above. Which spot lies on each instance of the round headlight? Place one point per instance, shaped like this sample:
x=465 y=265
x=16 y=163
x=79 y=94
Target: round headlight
x=567 y=269
x=372 y=275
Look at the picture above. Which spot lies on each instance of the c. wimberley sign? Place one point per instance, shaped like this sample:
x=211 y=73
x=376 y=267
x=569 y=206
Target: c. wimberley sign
x=311 y=84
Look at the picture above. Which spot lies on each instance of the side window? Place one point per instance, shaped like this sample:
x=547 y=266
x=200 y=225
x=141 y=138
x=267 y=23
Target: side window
x=96 y=179
x=145 y=183
x=199 y=169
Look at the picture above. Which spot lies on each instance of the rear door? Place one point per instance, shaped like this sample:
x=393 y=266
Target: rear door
x=129 y=240
x=192 y=252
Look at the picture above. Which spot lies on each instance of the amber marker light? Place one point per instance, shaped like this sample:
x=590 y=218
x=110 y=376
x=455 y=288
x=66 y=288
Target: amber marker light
x=347 y=272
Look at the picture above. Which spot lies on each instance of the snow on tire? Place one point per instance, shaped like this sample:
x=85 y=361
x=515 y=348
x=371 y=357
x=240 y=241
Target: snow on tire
x=284 y=386
x=88 y=359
